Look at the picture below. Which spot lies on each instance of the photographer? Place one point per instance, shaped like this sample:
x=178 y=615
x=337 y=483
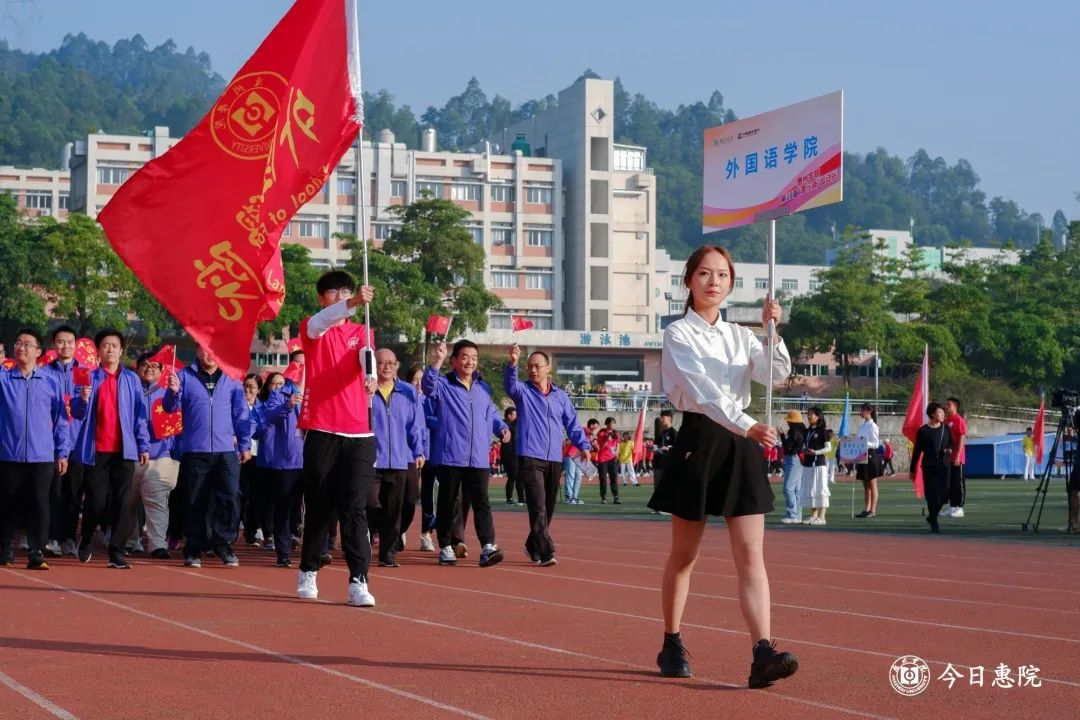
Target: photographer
x=933 y=446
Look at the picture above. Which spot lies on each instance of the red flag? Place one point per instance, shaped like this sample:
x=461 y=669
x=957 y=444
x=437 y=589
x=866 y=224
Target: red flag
x=165 y=357
x=1040 y=431
x=294 y=345
x=8 y=363
x=200 y=225
x=165 y=424
x=438 y=325
x=294 y=373
x=46 y=358
x=80 y=376
x=916 y=413
x=86 y=353
x=520 y=323
x=639 y=436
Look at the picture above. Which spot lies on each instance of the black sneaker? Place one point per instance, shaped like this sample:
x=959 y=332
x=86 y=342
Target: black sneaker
x=7 y=560
x=161 y=554
x=616 y=501
x=283 y=562
x=769 y=665
x=672 y=660
x=391 y=563
x=36 y=561
x=324 y=560
x=85 y=551
x=227 y=556
x=864 y=513
x=117 y=561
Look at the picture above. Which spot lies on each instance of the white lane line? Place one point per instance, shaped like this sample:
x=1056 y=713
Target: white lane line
x=546 y=648
x=774 y=581
x=807 y=608
x=264 y=651
x=42 y=702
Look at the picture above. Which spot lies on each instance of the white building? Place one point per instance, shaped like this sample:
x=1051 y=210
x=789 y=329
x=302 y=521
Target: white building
x=37 y=192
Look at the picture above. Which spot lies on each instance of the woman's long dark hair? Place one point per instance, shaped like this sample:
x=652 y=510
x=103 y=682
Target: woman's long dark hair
x=873 y=413
x=692 y=264
x=264 y=391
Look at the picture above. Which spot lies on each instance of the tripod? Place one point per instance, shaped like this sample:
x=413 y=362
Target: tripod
x=1044 y=481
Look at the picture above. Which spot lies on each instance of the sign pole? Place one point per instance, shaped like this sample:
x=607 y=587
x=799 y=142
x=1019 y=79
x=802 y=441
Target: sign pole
x=771 y=347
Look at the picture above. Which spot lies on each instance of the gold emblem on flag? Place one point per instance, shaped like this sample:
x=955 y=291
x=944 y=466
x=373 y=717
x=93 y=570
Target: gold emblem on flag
x=228 y=273
x=245 y=118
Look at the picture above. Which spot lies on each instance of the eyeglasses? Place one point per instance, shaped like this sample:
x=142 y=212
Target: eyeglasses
x=343 y=293
x=387 y=363
x=26 y=345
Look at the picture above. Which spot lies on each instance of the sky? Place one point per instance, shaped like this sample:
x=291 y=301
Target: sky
x=962 y=79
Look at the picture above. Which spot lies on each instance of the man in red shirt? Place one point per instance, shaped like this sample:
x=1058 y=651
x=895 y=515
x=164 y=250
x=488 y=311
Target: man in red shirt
x=607 y=462
x=957 y=482
x=339 y=447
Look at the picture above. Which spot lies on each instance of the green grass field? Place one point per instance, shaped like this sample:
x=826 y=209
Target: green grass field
x=995 y=510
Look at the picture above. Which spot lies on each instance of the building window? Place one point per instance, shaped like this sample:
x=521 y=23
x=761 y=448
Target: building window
x=790 y=285
x=629 y=159
x=674 y=307
x=287 y=232
x=501 y=319
x=398 y=188
x=462 y=191
x=112 y=175
x=538 y=195
x=346 y=185
x=815 y=285
x=384 y=230
x=504 y=280
x=38 y=200
x=498 y=321
x=346 y=227
x=65 y=201
x=761 y=283
x=538 y=281
x=676 y=280
x=477 y=233
x=502 y=193
x=502 y=235
x=314 y=228
x=435 y=188
x=538 y=238
x=738 y=283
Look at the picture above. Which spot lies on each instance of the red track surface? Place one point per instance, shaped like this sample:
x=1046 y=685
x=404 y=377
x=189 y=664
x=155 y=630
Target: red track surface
x=516 y=641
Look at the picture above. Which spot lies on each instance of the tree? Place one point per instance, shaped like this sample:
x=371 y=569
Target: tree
x=300 y=298
x=22 y=303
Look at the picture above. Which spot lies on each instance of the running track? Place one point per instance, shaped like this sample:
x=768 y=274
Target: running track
x=515 y=641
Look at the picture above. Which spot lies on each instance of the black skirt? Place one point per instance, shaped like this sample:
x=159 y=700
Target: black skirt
x=712 y=471
x=872 y=468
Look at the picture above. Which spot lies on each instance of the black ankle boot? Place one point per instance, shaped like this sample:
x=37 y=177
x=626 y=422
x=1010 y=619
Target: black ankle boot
x=672 y=660
x=769 y=665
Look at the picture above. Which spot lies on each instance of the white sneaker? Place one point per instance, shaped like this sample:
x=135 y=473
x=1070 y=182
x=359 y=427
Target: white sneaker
x=790 y=520
x=946 y=512
x=426 y=545
x=306 y=587
x=816 y=521
x=957 y=512
x=53 y=547
x=447 y=556
x=67 y=548
x=359 y=595
x=259 y=535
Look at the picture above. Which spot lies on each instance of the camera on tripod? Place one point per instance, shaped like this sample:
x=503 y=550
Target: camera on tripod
x=1065 y=398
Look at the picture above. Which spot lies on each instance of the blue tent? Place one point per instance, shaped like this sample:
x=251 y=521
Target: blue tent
x=1001 y=455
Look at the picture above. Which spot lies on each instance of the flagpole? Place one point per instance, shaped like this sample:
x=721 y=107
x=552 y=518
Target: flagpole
x=770 y=349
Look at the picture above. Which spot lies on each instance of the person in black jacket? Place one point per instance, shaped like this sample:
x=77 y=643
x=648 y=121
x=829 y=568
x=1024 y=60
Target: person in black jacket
x=933 y=447
x=514 y=479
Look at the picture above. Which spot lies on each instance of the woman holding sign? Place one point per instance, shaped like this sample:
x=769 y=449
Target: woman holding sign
x=871 y=471
x=716 y=466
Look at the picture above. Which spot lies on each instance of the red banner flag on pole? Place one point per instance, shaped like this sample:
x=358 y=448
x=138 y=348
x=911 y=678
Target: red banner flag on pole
x=200 y=225
x=1040 y=431
x=639 y=435
x=916 y=413
x=86 y=353
x=519 y=323
x=438 y=325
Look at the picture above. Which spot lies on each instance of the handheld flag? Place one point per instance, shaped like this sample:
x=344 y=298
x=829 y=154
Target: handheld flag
x=86 y=353
x=46 y=358
x=842 y=430
x=294 y=373
x=200 y=225
x=916 y=413
x=1040 y=431
x=80 y=376
x=165 y=424
x=519 y=323
x=166 y=358
x=639 y=436
x=438 y=325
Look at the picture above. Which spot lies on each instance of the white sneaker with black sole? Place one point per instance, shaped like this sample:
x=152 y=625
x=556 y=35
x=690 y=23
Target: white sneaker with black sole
x=447 y=556
x=957 y=512
x=426 y=545
x=359 y=595
x=306 y=587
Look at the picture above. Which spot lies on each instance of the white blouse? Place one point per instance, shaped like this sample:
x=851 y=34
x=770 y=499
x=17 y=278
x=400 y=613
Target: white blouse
x=869 y=430
x=707 y=369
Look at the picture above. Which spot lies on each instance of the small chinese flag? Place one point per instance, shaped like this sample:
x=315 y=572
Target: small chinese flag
x=80 y=376
x=294 y=345
x=166 y=358
x=46 y=358
x=8 y=363
x=200 y=225
x=1040 y=431
x=438 y=325
x=165 y=424
x=294 y=373
x=519 y=323
x=86 y=353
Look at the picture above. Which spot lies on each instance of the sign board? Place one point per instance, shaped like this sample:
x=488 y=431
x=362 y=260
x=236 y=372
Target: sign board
x=853 y=449
x=774 y=164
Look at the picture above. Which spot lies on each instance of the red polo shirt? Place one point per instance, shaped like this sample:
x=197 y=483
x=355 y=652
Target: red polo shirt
x=107 y=436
